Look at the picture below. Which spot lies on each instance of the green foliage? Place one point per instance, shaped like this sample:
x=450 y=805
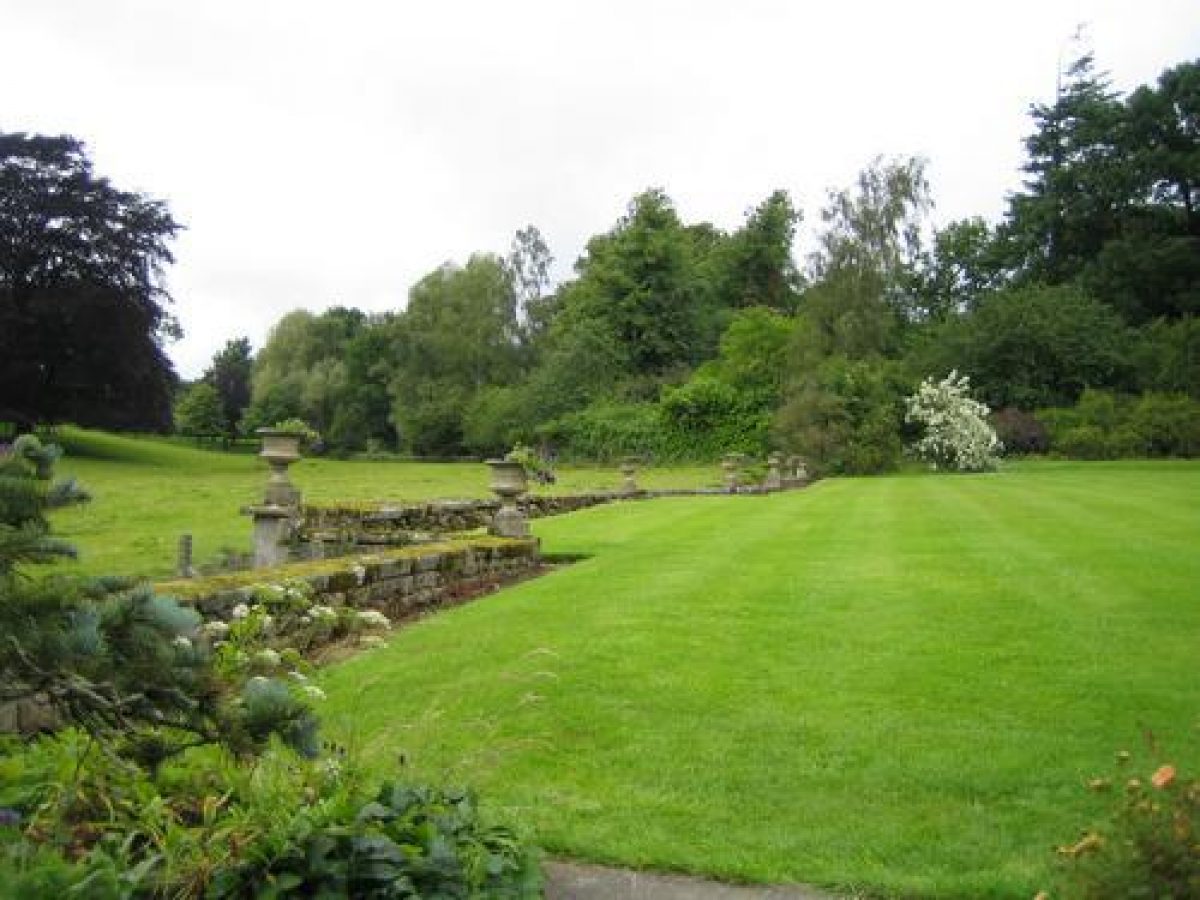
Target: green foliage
x=302 y=370
x=639 y=282
x=707 y=417
x=1110 y=200
x=607 y=432
x=459 y=335
x=872 y=233
x=846 y=418
x=1033 y=347
x=408 y=842
x=495 y=419
x=1166 y=357
x=230 y=374
x=1148 y=845
x=27 y=493
x=295 y=425
x=531 y=461
x=724 y=333
x=109 y=656
x=1113 y=426
x=83 y=302
x=961 y=267
x=198 y=412
x=754 y=267
x=95 y=827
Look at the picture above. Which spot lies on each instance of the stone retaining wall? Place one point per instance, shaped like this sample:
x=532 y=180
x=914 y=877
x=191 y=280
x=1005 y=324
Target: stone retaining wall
x=397 y=582
x=401 y=524
x=383 y=524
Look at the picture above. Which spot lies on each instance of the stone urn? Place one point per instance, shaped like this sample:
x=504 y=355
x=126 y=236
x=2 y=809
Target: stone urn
x=774 y=480
x=729 y=464
x=280 y=449
x=629 y=473
x=508 y=483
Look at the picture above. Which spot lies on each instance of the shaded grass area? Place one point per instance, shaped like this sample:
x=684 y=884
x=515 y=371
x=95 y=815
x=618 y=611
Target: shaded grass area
x=146 y=492
x=895 y=684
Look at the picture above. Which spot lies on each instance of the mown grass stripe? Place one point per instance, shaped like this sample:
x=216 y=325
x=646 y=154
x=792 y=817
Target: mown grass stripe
x=896 y=682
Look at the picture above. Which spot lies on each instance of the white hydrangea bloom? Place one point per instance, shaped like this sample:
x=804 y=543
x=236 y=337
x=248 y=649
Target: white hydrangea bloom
x=215 y=629
x=267 y=658
x=373 y=618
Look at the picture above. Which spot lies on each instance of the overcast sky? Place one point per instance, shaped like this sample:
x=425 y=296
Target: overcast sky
x=324 y=153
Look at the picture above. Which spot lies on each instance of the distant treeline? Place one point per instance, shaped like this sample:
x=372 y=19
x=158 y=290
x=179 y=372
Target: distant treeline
x=680 y=340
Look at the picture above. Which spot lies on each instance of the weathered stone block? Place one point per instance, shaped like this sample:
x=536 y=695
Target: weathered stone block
x=429 y=562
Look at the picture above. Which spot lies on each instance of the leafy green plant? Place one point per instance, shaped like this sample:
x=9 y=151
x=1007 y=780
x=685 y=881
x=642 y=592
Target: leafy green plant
x=309 y=436
x=73 y=819
x=531 y=461
x=408 y=842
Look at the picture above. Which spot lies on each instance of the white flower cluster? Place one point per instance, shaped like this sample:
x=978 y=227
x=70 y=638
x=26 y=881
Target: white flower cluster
x=373 y=618
x=957 y=433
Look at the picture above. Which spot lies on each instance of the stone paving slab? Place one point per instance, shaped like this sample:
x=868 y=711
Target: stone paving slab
x=577 y=881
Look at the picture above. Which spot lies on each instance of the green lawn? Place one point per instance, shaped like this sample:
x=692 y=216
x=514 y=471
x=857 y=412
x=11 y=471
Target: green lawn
x=147 y=492
x=893 y=684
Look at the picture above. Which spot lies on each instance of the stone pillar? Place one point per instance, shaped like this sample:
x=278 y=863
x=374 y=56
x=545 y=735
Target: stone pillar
x=629 y=471
x=774 y=480
x=508 y=483
x=183 y=558
x=730 y=466
x=274 y=527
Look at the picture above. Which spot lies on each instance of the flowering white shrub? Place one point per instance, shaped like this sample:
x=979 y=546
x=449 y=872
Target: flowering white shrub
x=957 y=434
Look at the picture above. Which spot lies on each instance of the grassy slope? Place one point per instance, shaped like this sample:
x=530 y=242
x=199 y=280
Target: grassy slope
x=898 y=682
x=147 y=492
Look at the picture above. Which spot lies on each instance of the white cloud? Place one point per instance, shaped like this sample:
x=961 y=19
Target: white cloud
x=323 y=153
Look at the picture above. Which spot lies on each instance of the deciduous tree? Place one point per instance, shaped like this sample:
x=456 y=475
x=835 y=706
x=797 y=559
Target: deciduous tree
x=83 y=304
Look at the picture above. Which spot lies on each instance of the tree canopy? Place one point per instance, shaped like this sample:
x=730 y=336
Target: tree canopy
x=83 y=305
x=679 y=338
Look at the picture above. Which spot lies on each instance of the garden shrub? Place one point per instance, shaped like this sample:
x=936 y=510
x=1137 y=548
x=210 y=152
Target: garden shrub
x=606 y=432
x=144 y=786
x=1149 y=846
x=1103 y=425
x=707 y=417
x=1084 y=442
x=408 y=842
x=76 y=822
x=1020 y=432
x=847 y=418
x=956 y=432
x=1166 y=425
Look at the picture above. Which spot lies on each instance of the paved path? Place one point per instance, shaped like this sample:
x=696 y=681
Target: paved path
x=576 y=881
